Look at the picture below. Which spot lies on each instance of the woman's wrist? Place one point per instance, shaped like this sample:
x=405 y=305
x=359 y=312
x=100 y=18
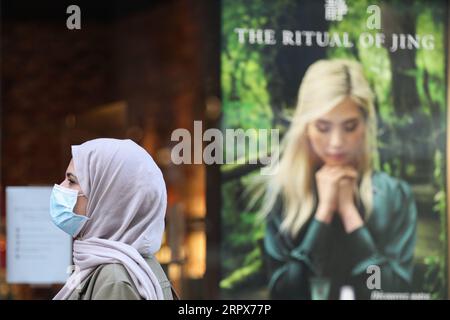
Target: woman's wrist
x=351 y=219
x=324 y=214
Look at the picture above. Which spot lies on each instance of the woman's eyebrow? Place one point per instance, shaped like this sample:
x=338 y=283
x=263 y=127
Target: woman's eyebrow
x=350 y=120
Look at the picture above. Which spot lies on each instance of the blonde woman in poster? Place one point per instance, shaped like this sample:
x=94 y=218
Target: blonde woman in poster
x=332 y=219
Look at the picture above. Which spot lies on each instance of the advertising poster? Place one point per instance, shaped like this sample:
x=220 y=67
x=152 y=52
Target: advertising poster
x=353 y=202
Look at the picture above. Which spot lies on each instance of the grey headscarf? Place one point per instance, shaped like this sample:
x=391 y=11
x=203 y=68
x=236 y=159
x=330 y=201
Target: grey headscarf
x=126 y=206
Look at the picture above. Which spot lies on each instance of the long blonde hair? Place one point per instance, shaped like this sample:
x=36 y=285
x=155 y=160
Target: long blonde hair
x=325 y=84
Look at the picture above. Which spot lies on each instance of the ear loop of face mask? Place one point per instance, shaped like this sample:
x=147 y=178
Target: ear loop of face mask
x=79 y=195
x=80 y=236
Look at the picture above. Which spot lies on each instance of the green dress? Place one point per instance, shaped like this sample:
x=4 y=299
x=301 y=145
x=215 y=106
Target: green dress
x=322 y=250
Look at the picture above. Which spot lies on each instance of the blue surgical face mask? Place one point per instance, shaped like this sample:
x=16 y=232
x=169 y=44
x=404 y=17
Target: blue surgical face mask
x=62 y=202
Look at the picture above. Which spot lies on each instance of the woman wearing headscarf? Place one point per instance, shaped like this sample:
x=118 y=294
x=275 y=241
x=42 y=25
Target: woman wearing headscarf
x=112 y=202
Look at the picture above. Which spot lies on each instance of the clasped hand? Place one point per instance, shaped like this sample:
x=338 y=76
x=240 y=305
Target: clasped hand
x=336 y=187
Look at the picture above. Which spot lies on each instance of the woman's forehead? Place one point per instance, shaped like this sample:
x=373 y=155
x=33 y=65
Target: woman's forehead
x=345 y=110
x=71 y=167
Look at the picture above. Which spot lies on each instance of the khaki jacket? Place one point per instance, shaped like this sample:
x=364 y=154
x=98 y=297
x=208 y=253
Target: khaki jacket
x=112 y=282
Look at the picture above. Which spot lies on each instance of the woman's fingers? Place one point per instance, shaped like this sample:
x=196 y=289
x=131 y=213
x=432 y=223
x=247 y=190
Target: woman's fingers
x=333 y=174
x=345 y=173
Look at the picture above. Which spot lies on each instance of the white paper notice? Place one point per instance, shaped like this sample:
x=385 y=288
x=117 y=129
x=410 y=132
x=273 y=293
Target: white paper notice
x=37 y=251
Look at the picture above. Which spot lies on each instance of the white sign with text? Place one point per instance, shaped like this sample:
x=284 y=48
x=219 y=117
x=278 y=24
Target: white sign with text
x=37 y=251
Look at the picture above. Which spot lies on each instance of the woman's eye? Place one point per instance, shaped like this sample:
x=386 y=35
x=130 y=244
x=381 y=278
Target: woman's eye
x=349 y=127
x=322 y=127
x=71 y=182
